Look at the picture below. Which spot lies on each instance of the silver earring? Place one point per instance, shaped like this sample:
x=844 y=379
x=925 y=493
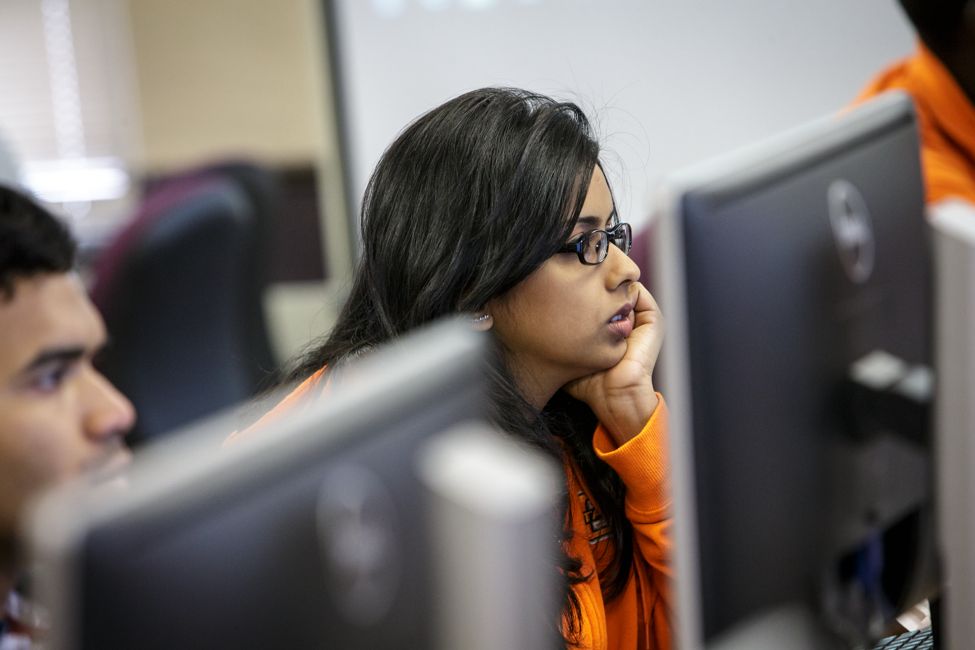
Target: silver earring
x=482 y=322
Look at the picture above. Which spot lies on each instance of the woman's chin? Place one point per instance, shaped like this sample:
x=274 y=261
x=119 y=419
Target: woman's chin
x=616 y=355
x=603 y=363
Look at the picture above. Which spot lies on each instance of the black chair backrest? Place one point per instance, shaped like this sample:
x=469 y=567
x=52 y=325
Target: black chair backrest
x=172 y=290
x=262 y=188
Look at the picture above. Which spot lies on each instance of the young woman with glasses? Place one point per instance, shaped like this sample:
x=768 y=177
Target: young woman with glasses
x=495 y=204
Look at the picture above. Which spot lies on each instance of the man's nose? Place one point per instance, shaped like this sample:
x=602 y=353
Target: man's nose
x=107 y=412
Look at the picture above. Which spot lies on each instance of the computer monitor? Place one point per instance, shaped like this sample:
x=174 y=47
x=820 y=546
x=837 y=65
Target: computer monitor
x=795 y=278
x=953 y=224
x=314 y=533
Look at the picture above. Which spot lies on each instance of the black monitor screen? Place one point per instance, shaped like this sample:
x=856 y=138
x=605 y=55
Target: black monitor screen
x=805 y=275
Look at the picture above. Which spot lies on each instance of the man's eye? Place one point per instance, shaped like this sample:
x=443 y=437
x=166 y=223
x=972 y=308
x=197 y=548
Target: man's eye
x=48 y=380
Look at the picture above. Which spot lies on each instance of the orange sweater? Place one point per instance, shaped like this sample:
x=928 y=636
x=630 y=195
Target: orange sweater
x=946 y=119
x=639 y=619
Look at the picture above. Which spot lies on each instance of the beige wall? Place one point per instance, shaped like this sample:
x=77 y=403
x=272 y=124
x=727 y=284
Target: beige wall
x=228 y=77
x=246 y=77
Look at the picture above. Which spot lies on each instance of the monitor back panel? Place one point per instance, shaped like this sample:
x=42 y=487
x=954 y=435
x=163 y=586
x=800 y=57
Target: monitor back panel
x=327 y=548
x=780 y=301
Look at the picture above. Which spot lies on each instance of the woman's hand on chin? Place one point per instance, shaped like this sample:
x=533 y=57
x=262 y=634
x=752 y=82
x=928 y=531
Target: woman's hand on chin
x=622 y=397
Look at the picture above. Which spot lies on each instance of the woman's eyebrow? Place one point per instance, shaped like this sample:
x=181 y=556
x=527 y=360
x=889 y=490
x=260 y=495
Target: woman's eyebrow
x=589 y=222
x=592 y=222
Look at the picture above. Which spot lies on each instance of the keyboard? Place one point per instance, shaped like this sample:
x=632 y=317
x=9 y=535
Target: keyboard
x=916 y=640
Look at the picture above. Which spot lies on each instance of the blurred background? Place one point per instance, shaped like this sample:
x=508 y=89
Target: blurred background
x=268 y=115
x=101 y=98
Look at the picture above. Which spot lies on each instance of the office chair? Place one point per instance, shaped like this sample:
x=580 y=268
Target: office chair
x=172 y=288
x=263 y=190
x=264 y=193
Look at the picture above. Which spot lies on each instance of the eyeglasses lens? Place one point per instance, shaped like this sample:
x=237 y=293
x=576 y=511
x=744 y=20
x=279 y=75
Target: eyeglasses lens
x=596 y=247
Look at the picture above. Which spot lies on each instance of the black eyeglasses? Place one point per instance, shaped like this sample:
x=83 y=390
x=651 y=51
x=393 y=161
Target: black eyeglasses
x=592 y=247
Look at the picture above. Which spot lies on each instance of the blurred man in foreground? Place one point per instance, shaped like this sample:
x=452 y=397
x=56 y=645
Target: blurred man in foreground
x=940 y=77
x=58 y=415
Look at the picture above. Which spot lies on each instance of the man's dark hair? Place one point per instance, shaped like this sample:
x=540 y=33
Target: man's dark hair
x=937 y=21
x=32 y=241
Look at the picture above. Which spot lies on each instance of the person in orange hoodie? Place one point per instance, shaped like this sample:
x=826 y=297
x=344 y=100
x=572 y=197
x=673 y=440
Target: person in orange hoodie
x=495 y=204
x=940 y=77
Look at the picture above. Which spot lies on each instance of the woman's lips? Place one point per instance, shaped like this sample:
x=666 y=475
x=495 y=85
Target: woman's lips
x=622 y=322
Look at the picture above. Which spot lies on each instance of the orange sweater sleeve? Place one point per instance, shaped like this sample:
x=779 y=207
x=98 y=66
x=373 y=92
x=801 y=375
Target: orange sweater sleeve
x=643 y=465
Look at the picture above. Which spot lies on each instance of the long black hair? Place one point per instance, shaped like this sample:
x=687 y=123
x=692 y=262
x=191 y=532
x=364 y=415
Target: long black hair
x=467 y=202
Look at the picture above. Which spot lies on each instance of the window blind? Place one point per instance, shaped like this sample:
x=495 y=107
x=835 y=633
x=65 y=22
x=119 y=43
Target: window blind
x=67 y=97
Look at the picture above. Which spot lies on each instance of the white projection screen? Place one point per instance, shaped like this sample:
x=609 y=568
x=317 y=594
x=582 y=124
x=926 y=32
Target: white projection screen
x=667 y=82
